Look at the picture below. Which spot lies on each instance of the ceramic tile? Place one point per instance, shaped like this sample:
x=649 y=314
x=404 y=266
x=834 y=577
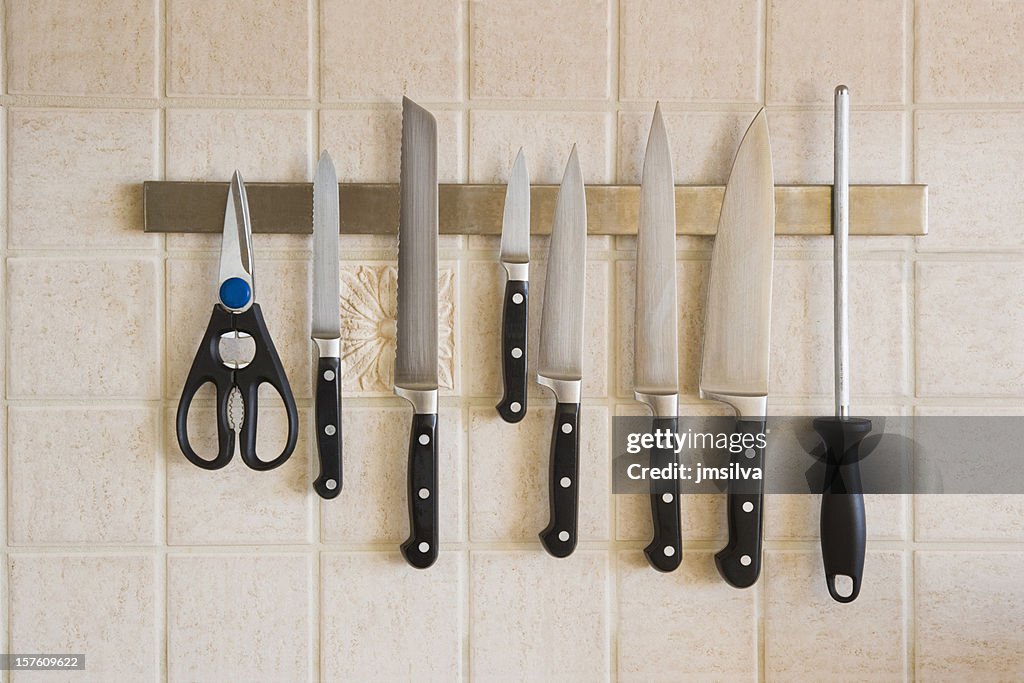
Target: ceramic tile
x=864 y=640
x=724 y=647
x=102 y=48
x=82 y=475
x=369 y=312
x=366 y=144
x=979 y=354
x=666 y=50
x=204 y=56
x=508 y=474
x=107 y=305
x=74 y=176
x=483 y=317
x=802 y=328
x=968 y=52
x=373 y=634
x=247 y=617
x=107 y=610
x=812 y=47
x=968 y=618
x=241 y=505
x=802 y=147
x=381 y=51
x=546 y=137
x=281 y=290
x=969 y=161
x=373 y=505
x=557 y=610
x=555 y=51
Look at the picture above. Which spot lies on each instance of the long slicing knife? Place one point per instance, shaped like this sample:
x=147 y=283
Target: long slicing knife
x=515 y=257
x=560 y=366
x=656 y=347
x=734 y=364
x=416 y=355
x=326 y=330
x=843 y=527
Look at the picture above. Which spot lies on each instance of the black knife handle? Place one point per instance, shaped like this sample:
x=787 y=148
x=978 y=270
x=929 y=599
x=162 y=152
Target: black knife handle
x=739 y=562
x=665 y=550
x=420 y=549
x=843 y=526
x=514 y=323
x=328 y=427
x=559 y=537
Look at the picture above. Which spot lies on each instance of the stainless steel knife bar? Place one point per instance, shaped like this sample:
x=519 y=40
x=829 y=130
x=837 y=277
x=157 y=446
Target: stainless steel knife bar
x=466 y=209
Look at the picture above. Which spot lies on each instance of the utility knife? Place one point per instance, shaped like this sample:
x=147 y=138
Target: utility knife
x=515 y=257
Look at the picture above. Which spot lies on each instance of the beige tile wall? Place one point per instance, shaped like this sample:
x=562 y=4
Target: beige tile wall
x=115 y=546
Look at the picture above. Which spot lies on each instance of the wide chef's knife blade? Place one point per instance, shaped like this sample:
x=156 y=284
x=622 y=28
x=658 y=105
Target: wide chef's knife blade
x=560 y=366
x=416 y=355
x=655 y=345
x=734 y=366
x=326 y=331
x=515 y=257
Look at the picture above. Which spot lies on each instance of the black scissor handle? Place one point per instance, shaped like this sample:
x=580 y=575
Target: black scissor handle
x=208 y=368
x=265 y=368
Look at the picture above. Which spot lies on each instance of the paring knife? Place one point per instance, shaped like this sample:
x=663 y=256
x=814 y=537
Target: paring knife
x=656 y=347
x=416 y=355
x=560 y=366
x=326 y=330
x=734 y=364
x=843 y=527
x=515 y=257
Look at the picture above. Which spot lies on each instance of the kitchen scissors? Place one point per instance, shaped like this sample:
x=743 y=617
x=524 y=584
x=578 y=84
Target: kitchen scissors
x=236 y=316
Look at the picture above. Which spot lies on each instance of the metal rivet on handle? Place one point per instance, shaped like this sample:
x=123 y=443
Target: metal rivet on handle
x=331 y=484
x=563 y=536
x=566 y=482
x=424 y=547
x=517 y=352
x=669 y=551
x=751 y=452
x=329 y=375
x=567 y=428
x=424 y=439
x=667 y=497
x=517 y=298
x=745 y=560
x=329 y=430
x=516 y=406
x=424 y=493
x=748 y=507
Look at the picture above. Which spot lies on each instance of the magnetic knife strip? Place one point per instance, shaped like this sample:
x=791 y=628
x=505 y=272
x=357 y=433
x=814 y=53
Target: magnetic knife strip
x=466 y=209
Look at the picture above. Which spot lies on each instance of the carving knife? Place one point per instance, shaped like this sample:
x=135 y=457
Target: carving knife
x=326 y=330
x=416 y=353
x=515 y=257
x=843 y=527
x=560 y=365
x=656 y=348
x=734 y=363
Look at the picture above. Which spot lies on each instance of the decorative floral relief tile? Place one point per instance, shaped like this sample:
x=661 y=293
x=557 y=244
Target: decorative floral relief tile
x=369 y=312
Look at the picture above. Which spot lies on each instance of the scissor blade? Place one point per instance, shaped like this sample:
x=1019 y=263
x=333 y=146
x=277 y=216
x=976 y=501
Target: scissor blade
x=561 y=325
x=326 y=300
x=655 y=338
x=236 y=239
x=416 y=356
x=738 y=316
x=515 y=224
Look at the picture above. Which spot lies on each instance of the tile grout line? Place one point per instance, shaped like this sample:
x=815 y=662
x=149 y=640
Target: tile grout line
x=161 y=565
x=910 y=296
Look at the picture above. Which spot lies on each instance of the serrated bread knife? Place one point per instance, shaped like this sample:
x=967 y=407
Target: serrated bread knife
x=416 y=353
x=655 y=345
x=734 y=363
x=515 y=258
x=560 y=362
x=326 y=328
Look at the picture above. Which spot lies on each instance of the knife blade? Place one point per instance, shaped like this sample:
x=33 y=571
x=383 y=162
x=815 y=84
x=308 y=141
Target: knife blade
x=416 y=352
x=734 y=363
x=326 y=327
x=843 y=524
x=515 y=257
x=655 y=342
x=560 y=362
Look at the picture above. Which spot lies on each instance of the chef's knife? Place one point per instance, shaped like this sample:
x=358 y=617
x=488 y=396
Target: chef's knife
x=515 y=257
x=734 y=364
x=326 y=330
x=655 y=345
x=416 y=355
x=843 y=527
x=560 y=366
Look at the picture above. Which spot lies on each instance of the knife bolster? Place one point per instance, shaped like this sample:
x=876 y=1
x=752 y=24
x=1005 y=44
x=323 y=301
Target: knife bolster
x=328 y=348
x=746 y=407
x=662 y=405
x=565 y=390
x=424 y=401
x=517 y=271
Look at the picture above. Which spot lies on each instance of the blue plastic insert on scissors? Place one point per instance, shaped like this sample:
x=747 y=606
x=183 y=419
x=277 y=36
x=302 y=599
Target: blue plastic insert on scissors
x=235 y=293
